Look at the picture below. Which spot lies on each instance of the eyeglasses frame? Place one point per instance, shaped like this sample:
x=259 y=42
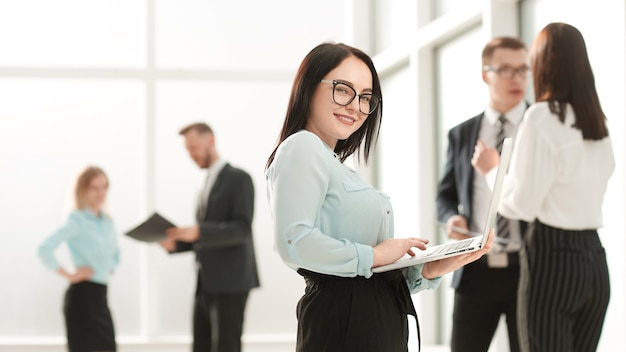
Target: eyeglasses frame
x=334 y=82
x=518 y=71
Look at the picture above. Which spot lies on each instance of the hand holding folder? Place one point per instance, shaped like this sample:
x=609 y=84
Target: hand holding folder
x=152 y=229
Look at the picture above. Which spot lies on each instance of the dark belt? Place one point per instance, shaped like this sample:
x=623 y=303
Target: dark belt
x=395 y=277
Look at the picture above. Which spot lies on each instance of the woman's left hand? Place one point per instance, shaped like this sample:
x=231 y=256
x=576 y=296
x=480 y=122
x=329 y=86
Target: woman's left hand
x=441 y=267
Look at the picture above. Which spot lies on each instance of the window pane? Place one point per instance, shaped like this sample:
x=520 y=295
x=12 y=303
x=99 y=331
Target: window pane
x=49 y=131
x=108 y=33
x=398 y=18
x=269 y=35
x=461 y=94
x=444 y=7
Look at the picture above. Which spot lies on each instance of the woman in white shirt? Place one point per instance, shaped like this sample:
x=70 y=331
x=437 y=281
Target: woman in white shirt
x=333 y=227
x=562 y=161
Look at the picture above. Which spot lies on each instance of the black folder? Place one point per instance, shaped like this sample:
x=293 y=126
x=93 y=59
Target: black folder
x=152 y=229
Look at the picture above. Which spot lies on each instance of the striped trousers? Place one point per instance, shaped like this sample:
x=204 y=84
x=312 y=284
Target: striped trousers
x=564 y=290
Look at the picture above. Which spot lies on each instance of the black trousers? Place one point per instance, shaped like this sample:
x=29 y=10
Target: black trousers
x=218 y=321
x=483 y=296
x=564 y=290
x=338 y=314
x=88 y=321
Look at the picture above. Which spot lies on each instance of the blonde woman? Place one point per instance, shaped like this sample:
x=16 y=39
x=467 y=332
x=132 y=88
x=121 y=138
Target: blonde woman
x=91 y=239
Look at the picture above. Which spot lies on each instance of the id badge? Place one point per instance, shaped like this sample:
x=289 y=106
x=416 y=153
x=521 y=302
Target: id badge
x=497 y=260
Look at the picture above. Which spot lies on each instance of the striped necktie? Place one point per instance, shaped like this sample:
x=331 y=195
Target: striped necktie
x=501 y=123
x=502 y=223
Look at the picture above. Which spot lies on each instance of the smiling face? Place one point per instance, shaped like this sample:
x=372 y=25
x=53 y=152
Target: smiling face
x=506 y=92
x=333 y=122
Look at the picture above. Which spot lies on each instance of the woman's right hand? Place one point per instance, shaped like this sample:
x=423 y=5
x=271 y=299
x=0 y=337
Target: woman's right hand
x=393 y=249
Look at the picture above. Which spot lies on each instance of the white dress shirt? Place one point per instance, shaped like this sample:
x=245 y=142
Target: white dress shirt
x=555 y=175
x=208 y=180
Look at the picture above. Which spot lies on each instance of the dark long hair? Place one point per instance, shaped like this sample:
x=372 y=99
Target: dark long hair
x=317 y=63
x=562 y=74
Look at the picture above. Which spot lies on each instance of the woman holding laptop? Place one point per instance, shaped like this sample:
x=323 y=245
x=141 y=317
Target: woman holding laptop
x=329 y=224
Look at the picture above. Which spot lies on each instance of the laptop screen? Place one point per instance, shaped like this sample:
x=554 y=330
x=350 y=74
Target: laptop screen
x=505 y=160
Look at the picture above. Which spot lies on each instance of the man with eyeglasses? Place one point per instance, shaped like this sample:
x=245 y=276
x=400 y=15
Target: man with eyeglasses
x=486 y=289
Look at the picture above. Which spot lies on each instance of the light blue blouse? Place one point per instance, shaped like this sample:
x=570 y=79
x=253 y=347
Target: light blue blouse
x=326 y=218
x=92 y=242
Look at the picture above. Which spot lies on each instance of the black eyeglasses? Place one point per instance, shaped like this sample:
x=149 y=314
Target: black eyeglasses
x=343 y=95
x=508 y=72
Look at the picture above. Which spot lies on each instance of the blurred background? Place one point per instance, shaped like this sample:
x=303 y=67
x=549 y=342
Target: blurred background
x=110 y=82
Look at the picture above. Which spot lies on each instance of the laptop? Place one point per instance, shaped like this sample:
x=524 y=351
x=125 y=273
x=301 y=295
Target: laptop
x=458 y=247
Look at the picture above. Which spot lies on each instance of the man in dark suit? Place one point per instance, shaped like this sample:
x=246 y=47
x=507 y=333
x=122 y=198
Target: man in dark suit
x=487 y=288
x=222 y=241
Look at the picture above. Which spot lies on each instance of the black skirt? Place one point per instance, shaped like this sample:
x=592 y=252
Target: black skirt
x=88 y=321
x=354 y=314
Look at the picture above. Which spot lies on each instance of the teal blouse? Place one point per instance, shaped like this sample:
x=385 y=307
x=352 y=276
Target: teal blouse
x=92 y=242
x=326 y=218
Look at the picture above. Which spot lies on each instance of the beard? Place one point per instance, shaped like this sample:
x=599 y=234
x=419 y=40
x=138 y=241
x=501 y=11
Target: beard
x=207 y=161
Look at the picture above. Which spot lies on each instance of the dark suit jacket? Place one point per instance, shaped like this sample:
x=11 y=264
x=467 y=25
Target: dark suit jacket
x=225 y=250
x=455 y=190
x=454 y=194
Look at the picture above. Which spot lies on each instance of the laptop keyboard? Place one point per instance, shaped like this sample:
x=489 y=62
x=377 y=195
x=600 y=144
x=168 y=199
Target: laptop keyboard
x=452 y=247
